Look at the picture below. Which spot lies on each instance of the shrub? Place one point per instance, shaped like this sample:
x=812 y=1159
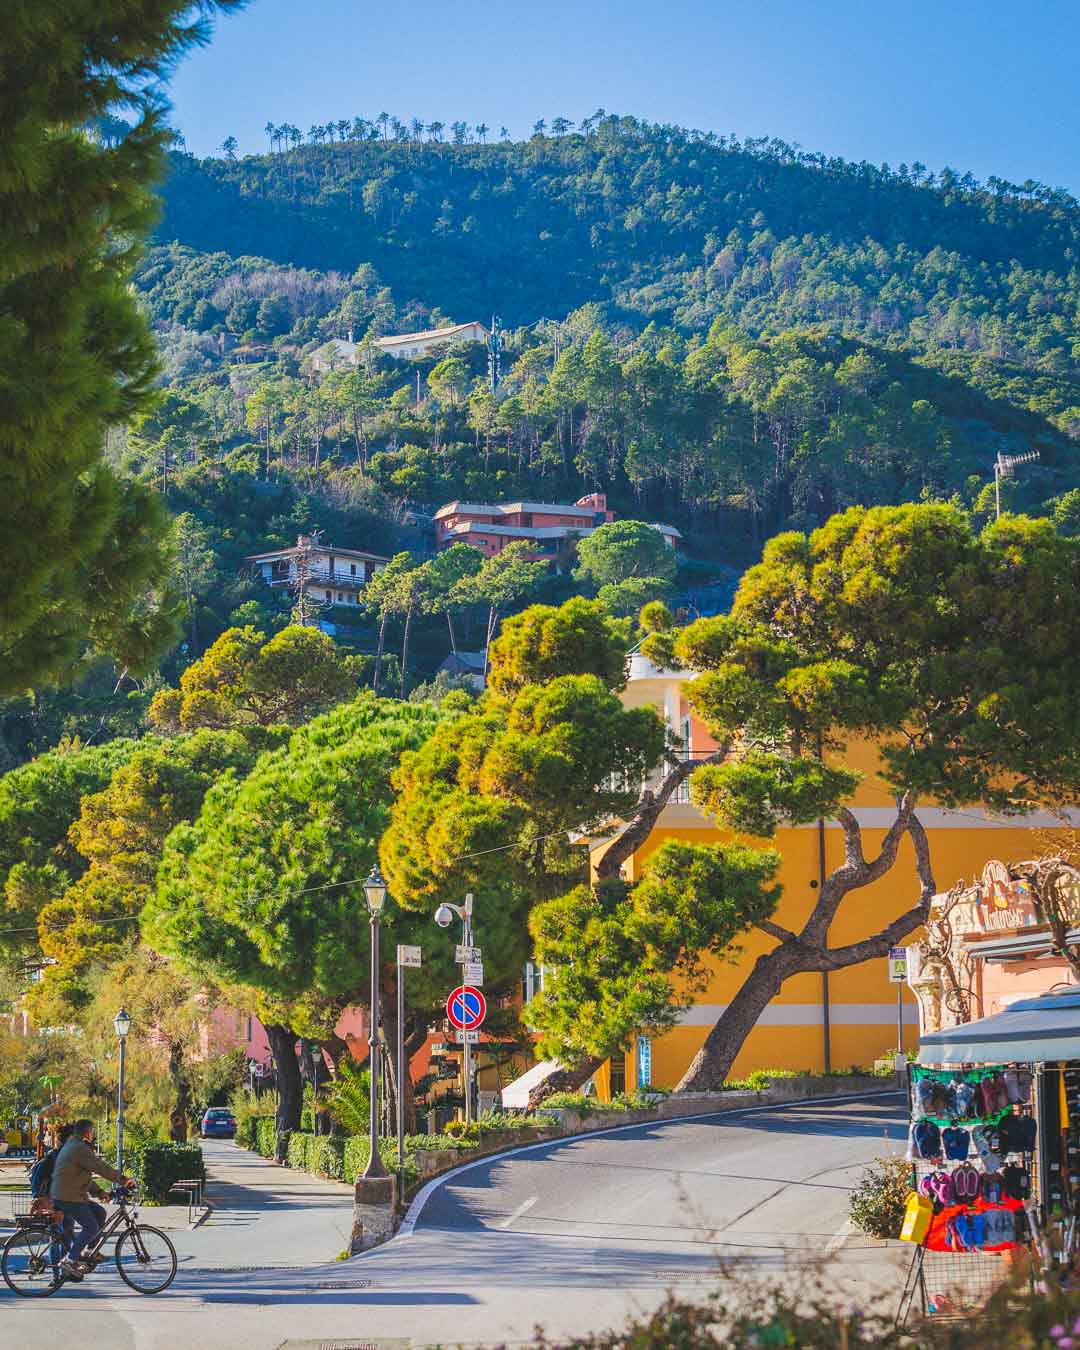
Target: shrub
x=248 y=1113
x=348 y=1100
x=326 y=1156
x=162 y=1164
x=297 y=1154
x=266 y=1136
x=877 y=1202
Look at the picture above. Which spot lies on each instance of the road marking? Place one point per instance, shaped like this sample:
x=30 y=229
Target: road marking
x=528 y=1204
x=420 y=1199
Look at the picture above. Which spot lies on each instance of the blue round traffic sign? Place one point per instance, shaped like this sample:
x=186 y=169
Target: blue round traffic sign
x=466 y=1007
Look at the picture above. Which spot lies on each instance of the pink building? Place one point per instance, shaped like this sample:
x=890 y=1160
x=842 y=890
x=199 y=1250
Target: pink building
x=549 y=528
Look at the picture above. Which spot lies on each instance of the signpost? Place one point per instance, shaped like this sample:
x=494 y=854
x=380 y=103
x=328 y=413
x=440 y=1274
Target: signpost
x=466 y=1008
x=467 y=1037
x=406 y=956
x=898 y=969
x=474 y=972
x=466 y=954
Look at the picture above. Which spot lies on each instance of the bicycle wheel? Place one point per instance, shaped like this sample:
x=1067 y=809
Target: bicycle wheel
x=146 y=1259
x=30 y=1262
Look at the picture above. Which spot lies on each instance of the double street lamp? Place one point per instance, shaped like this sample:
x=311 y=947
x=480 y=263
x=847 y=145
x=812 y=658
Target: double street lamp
x=122 y=1023
x=375 y=894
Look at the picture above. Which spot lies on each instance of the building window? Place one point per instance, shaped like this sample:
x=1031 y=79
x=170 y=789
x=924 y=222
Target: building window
x=352 y=569
x=618 y=1074
x=248 y=1035
x=340 y=596
x=333 y=561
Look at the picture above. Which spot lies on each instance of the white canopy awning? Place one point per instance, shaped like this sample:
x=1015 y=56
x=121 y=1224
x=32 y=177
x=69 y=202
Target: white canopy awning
x=515 y=1095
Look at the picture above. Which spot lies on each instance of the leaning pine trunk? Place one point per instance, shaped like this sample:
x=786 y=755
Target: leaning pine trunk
x=711 y=1065
x=290 y=1089
x=563 y=1080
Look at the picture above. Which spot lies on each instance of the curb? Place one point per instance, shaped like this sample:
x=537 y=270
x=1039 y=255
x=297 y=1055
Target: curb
x=420 y=1199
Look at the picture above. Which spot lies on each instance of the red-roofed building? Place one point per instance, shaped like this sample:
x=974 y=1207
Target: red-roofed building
x=549 y=528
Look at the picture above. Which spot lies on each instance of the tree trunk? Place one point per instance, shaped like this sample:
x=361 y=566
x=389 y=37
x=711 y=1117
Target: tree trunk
x=290 y=1089
x=405 y=652
x=178 y=1117
x=563 y=1080
x=711 y=1065
x=453 y=637
x=337 y=1049
x=379 y=653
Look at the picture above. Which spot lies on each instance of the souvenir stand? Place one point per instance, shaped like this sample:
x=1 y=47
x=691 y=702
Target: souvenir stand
x=995 y=1151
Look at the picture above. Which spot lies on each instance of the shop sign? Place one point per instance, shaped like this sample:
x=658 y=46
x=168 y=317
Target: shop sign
x=1004 y=901
x=644 y=1061
x=898 y=965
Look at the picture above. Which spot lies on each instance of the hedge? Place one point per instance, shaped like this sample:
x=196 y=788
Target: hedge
x=162 y=1164
x=266 y=1136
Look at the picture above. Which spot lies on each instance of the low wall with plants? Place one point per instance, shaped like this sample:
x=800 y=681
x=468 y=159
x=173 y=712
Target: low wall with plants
x=343 y=1158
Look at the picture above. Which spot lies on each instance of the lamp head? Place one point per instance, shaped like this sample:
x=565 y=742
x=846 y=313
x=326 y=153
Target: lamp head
x=375 y=890
x=444 y=916
x=122 y=1023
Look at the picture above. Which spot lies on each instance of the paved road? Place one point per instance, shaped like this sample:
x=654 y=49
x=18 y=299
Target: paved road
x=574 y=1235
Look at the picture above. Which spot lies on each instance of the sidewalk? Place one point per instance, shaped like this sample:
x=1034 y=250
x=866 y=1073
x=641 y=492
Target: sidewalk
x=263 y=1215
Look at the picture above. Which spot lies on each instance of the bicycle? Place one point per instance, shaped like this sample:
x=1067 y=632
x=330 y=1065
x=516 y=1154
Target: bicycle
x=145 y=1258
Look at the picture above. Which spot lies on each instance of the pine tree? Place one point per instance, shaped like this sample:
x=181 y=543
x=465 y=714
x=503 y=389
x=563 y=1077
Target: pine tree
x=82 y=549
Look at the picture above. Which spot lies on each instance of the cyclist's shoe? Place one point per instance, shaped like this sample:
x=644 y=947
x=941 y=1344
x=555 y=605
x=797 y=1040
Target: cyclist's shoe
x=72 y=1270
x=92 y=1262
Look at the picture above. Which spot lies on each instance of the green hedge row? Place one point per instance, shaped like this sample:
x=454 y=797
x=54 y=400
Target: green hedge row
x=265 y=1136
x=162 y=1164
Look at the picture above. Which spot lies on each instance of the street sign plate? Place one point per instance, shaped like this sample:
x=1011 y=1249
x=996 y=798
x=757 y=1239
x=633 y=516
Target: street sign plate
x=466 y=1007
x=474 y=972
x=464 y=954
x=898 y=965
x=472 y=1036
x=408 y=956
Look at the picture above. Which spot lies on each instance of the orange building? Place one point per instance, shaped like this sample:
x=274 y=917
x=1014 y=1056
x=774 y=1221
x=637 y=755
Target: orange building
x=817 y=1021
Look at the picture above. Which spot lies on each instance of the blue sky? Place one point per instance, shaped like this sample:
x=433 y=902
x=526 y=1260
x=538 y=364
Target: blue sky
x=989 y=87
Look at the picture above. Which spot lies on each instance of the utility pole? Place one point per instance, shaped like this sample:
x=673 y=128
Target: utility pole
x=1005 y=467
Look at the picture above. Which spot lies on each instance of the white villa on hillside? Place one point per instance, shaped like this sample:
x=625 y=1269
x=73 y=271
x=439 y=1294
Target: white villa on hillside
x=335 y=576
x=340 y=352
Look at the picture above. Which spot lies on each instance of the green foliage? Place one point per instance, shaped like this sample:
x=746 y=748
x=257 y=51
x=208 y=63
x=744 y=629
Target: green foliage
x=265 y=1135
x=121 y=832
x=88 y=563
x=876 y=1205
x=248 y=1112
x=624 y=550
x=878 y=623
x=262 y=890
x=246 y=679
x=39 y=802
x=161 y=1164
x=348 y=1099
x=546 y=641
x=612 y=951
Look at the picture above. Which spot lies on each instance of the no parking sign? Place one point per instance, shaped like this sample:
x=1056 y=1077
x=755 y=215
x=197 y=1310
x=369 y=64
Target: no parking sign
x=466 y=1007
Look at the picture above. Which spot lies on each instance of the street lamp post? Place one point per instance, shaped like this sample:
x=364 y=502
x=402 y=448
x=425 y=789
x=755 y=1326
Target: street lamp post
x=375 y=893
x=122 y=1023
x=443 y=919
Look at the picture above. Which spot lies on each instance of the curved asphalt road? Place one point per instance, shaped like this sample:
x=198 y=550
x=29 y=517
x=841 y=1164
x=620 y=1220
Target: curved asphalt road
x=575 y=1235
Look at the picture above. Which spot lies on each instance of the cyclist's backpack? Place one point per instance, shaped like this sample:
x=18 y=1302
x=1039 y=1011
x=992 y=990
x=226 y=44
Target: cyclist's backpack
x=41 y=1174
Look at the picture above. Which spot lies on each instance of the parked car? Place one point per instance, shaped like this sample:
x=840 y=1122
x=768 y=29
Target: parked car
x=218 y=1123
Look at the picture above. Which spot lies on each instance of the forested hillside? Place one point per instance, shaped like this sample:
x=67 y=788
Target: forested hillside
x=733 y=338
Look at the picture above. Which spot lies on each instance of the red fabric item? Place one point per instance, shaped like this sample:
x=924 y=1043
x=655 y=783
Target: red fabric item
x=937 y=1235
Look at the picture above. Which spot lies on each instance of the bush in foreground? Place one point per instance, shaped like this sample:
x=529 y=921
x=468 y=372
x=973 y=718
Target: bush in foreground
x=876 y=1205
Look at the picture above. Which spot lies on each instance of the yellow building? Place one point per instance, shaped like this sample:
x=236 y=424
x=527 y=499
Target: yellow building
x=817 y=1021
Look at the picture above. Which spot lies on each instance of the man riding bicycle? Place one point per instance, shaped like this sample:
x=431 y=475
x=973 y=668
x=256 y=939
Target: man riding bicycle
x=72 y=1183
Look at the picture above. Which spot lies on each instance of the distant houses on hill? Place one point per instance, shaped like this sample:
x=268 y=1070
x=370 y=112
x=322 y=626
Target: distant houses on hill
x=328 y=574
x=340 y=352
x=550 y=529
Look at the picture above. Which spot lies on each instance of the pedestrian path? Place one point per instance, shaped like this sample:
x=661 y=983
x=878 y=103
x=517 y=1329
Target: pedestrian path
x=264 y=1215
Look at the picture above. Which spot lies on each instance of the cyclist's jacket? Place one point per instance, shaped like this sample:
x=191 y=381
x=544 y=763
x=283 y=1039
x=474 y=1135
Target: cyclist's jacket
x=76 y=1166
